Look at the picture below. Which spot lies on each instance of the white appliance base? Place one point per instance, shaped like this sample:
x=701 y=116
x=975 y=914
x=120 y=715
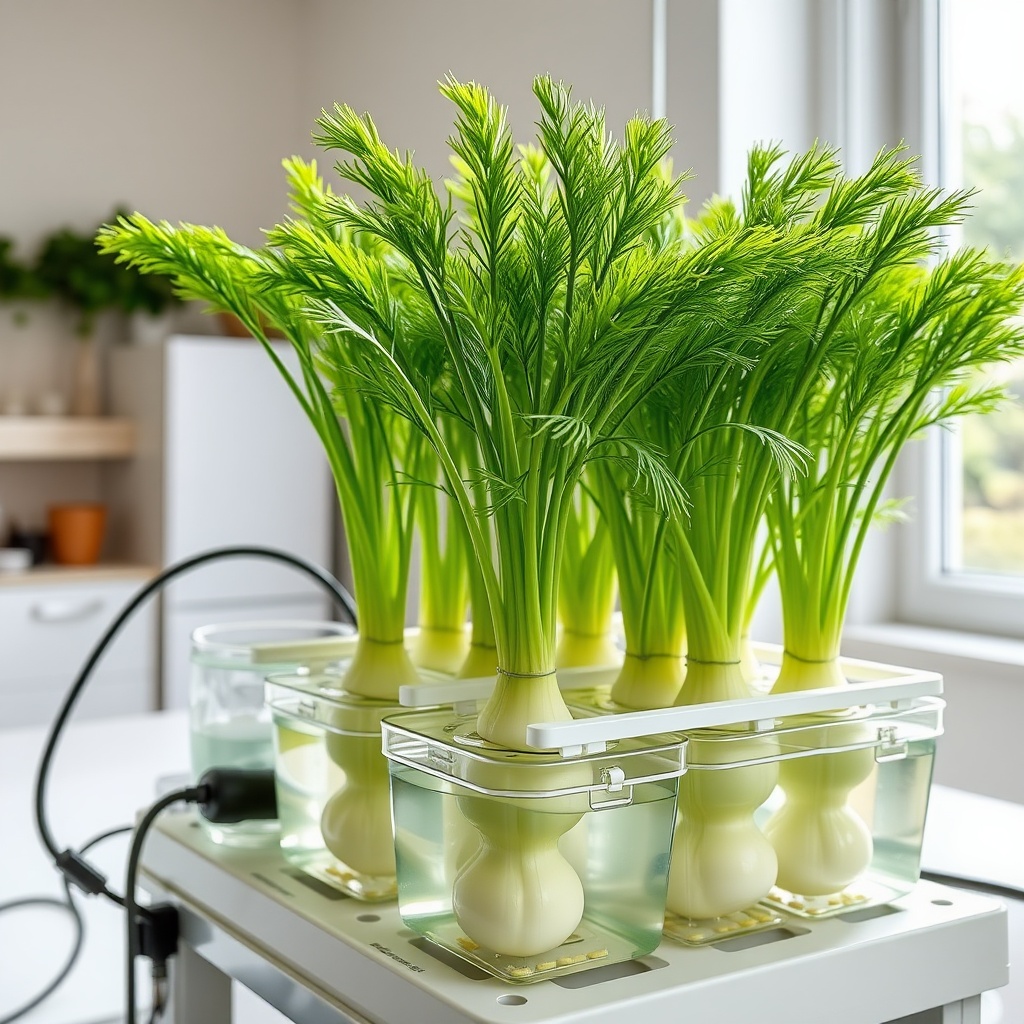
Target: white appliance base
x=319 y=957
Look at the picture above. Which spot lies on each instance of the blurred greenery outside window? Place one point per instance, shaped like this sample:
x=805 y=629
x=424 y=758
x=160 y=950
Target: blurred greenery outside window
x=983 y=133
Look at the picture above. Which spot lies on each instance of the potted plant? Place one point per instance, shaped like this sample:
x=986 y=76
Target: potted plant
x=20 y=286
x=84 y=281
x=19 y=281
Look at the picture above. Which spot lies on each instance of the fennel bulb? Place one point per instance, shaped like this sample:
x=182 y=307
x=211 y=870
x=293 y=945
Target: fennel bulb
x=356 y=819
x=721 y=861
x=517 y=894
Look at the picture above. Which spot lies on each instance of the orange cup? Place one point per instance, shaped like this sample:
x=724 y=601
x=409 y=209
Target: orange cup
x=76 y=532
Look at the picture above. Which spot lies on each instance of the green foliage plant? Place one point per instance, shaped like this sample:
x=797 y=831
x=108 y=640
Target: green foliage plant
x=19 y=282
x=536 y=320
x=374 y=454
x=734 y=446
x=912 y=338
x=556 y=317
x=18 y=279
x=72 y=269
x=79 y=276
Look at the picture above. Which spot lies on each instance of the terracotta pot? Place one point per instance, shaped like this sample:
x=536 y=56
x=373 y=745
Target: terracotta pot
x=232 y=327
x=76 y=532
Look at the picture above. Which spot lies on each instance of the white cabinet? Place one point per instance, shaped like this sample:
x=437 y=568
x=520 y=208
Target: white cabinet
x=225 y=456
x=47 y=630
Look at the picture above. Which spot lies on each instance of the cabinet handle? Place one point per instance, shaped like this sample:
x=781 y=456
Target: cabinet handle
x=65 y=611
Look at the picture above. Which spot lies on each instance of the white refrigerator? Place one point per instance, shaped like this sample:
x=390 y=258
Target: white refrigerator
x=226 y=457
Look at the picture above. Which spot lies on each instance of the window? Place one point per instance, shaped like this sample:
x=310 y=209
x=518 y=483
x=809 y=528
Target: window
x=983 y=136
x=965 y=563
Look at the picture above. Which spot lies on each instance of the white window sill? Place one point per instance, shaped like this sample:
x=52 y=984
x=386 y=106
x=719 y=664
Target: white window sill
x=991 y=653
x=983 y=686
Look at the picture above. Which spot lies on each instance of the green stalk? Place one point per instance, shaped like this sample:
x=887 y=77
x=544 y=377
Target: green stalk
x=442 y=642
x=649 y=596
x=929 y=334
x=586 y=589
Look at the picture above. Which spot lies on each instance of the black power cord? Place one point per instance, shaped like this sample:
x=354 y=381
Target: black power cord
x=67 y=904
x=147 y=927
x=151 y=931
x=1008 y=892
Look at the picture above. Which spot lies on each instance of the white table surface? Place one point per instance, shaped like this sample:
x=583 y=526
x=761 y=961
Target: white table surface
x=106 y=770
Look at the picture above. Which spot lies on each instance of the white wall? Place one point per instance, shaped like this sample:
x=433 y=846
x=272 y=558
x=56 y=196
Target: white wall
x=693 y=102
x=766 y=81
x=182 y=110
x=386 y=58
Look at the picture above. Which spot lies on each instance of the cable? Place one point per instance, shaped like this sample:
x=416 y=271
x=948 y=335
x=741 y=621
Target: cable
x=69 y=862
x=69 y=905
x=74 y=868
x=76 y=949
x=191 y=794
x=1009 y=892
x=159 y=996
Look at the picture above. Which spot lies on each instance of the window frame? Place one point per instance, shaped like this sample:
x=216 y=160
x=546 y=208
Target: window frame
x=927 y=591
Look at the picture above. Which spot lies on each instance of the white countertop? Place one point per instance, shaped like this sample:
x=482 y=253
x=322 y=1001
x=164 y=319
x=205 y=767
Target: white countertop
x=106 y=770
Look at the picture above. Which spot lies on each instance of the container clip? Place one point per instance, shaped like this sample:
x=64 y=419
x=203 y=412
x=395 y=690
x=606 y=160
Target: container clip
x=890 y=747
x=614 y=780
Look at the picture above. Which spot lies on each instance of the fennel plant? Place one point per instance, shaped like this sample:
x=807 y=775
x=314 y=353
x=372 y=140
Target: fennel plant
x=735 y=446
x=910 y=348
x=908 y=359
x=736 y=442
x=370 y=448
x=557 y=317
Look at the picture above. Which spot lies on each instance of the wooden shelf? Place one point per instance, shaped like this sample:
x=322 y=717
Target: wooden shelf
x=55 y=574
x=31 y=438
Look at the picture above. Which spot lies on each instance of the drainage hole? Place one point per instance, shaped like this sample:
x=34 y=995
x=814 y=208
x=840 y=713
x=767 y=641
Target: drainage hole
x=511 y=1000
x=368 y=917
x=943 y=903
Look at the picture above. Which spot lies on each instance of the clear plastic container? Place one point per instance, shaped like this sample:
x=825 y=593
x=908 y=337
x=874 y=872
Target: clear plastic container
x=229 y=724
x=847 y=819
x=331 y=778
x=809 y=803
x=530 y=865
x=844 y=820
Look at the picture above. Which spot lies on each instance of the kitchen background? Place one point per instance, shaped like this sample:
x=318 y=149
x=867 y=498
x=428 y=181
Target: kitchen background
x=184 y=110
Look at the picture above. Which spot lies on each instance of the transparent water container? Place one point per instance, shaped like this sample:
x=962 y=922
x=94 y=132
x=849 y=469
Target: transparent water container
x=844 y=820
x=229 y=724
x=331 y=779
x=809 y=803
x=530 y=865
